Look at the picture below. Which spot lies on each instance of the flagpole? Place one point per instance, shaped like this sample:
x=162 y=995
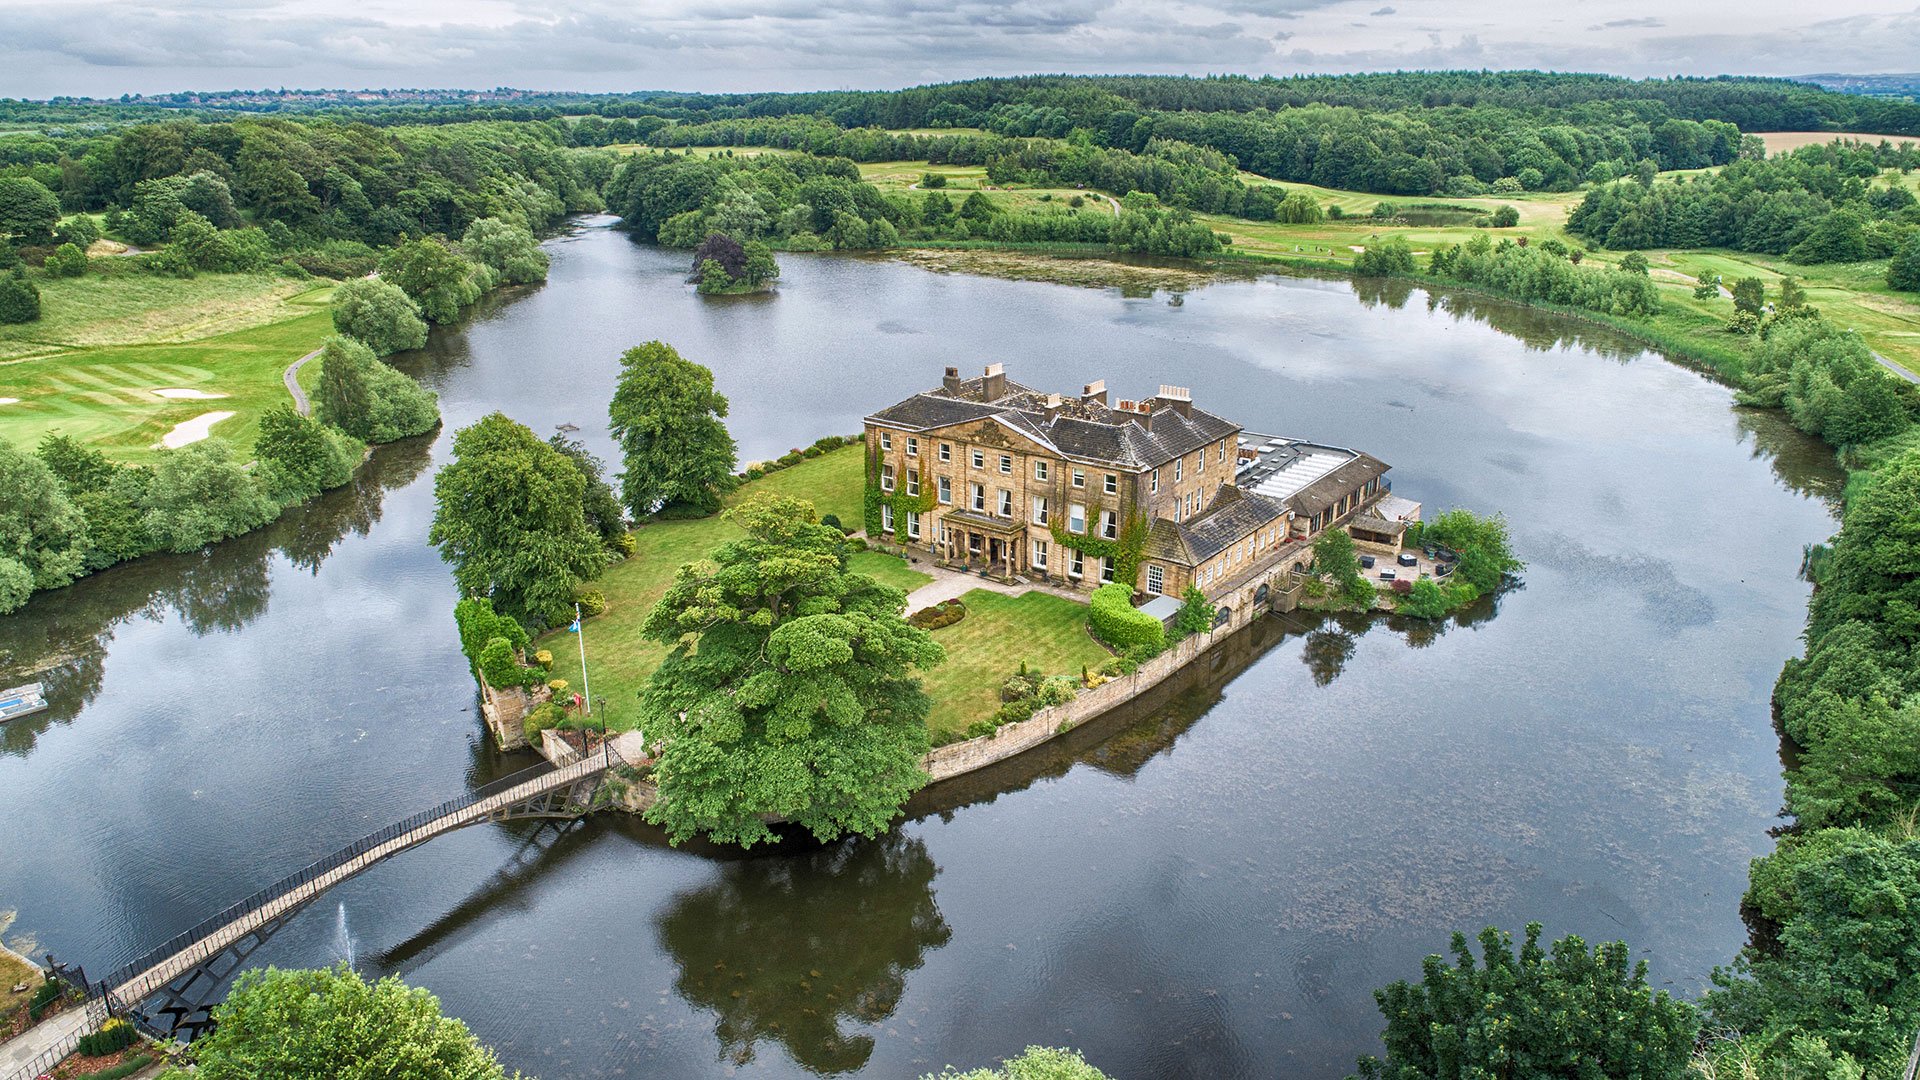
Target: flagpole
x=586 y=690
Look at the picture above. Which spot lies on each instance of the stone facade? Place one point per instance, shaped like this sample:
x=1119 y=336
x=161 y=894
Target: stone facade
x=988 y=475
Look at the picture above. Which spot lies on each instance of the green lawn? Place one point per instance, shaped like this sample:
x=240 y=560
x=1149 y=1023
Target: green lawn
x=1000 y=631
x=89 y=366
x=889 y=570
x=619 y=660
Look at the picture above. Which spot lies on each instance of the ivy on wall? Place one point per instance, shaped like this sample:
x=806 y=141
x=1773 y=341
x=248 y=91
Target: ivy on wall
x=899 y=500
x=1125 y=551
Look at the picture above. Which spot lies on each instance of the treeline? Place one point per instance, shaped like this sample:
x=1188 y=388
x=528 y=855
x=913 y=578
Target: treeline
x=1817 y=204
x=804 y=203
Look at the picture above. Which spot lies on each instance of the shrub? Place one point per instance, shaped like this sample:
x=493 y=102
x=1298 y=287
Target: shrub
x=67 y=260
x=831 y=442
x=943 y=614
x=791 y=457
x=1114 y=619
x=626 y=544
x=832 y=520
x=591 y=600
x=125 y=1069
x=1424 y=599
x=1196 y=614
x=19 y=299
x=80 y=231
x=114 y=1036
x=500 y=665
x=540 y=718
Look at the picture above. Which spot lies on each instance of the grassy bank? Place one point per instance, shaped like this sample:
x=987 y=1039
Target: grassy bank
x=1000 y=632
x=89 y=367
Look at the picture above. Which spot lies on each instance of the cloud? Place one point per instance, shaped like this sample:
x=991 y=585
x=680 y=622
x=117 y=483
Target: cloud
x=106 y=47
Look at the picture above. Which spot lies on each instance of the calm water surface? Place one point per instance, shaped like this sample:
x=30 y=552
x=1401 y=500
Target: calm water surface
x=1209 y=885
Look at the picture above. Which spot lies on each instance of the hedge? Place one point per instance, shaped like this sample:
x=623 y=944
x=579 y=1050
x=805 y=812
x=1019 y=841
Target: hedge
x=1114 y=619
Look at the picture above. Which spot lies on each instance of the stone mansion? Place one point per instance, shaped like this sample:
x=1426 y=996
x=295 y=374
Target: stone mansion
x=993 y=476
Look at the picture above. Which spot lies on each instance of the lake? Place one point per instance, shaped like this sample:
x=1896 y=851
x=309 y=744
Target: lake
x=1210 y=884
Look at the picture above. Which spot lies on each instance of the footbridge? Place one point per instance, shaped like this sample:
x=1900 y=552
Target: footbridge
x=171 y=990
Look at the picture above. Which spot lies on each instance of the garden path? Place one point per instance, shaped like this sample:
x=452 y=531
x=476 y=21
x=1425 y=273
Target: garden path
x=948 y=584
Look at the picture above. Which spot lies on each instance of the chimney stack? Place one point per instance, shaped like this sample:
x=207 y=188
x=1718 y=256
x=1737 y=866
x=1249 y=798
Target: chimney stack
x=1179 y=398
x=1094 y=391
x=1053 y=404
x=995 y=386
x=951 y=381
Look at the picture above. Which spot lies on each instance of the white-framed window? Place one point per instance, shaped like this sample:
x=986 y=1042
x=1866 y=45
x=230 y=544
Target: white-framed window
x=1178 y=464
x=1040 y=470
x=1109 y=524
x=886 y=440
x=886 y=517
x=1006 y=503
x=1079 y=478
x=978 y=497
x=1113 y=484
x=886 y=478
x=1106 y=571
x=913 y=524
x=946 y=491
x=1039 y=554
x=1156 y=579
x=913 y=446
x=913 y=481
x=1039 y=509
x=1222 y=456
x=1006 y=465
x=946 y=451
x=945 y=536
x=1200 y=461
x=1076 y=563
x=1076 y=518
x=979 y=460
x=1153 y=482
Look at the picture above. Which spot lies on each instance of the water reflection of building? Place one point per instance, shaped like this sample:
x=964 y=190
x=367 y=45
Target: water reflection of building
x=993 y=476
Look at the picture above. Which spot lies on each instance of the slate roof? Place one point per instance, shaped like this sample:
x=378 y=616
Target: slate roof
x=1078 y=429
x=1233 y=516
x=1320 y=495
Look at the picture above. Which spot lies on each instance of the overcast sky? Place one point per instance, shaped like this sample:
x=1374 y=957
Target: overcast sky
x=110 y=47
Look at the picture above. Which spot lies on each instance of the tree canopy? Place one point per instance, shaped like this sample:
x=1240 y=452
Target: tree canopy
x=1565 y=1012
x=379 y=315
x=790 y=689
x=366 y=398
x=332 y=1024
x=508 y=516
x=667 y=419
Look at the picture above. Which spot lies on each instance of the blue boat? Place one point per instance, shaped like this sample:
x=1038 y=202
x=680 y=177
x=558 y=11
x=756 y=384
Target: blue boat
x=21 y=700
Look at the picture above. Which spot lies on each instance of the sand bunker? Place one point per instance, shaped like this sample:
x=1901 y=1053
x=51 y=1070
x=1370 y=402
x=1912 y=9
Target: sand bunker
x=189 y=395
x=9 y=401
x=192 y=431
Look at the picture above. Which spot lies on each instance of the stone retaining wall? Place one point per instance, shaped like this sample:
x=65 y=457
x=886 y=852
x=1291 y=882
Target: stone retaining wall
x=958 y=758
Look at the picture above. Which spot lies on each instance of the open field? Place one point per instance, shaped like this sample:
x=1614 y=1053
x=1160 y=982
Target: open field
x=700 y=151
x=1000 y=631
x=1778 y=141
x=90 y=366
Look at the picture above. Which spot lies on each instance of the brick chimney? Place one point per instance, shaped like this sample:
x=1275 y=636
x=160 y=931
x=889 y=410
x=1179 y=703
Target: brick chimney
x=951 y=381
x=1177 y=398
x=1094 y=391
x=995 y=386
x=1053 y=405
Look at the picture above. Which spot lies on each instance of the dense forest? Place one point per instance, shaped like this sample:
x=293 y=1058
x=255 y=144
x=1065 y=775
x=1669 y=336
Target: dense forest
x=1817 y=204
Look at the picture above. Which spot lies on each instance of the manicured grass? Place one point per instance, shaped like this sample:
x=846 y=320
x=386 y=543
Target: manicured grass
x=619 y=660
x=89 y=367
x=1000 y=631
x=1049 y=633
x=13 y=971
x=889 y=570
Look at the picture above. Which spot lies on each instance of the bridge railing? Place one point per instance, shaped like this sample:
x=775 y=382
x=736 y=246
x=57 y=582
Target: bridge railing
x=307 y=875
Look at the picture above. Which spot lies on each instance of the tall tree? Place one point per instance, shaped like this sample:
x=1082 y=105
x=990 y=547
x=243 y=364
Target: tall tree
x=667 y=419
x=28 y=211
x=508 y=517
x=42 y=533
x=1574 y=1013
x=379 y=315
x=790 y=689
x=435 y=275
x=334 y=1025
x=509 y=250
x=368 y=399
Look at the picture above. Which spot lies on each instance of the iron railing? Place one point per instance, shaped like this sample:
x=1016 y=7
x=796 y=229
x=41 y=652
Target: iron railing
x=179 y=943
